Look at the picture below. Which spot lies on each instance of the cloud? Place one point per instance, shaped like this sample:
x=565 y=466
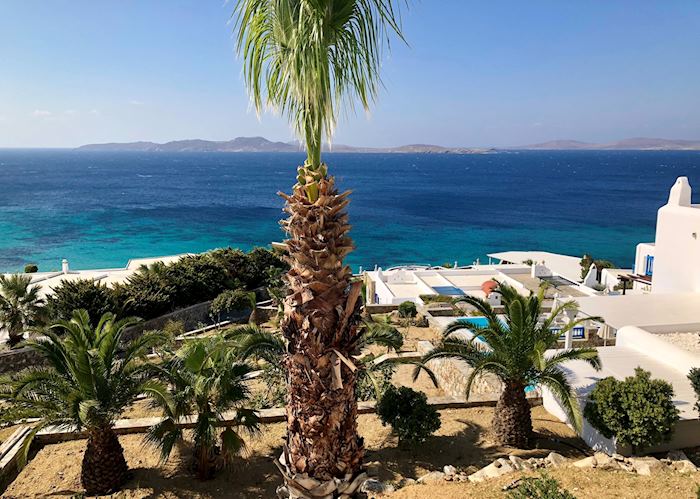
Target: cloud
x=70 y=112
x=94 y=111
x=40 y=113
x=135 y=102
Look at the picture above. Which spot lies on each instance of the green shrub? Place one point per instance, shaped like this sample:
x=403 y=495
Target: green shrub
x=543 y=487
x=637 y=411
x=408 y=413
x=436 y=299
x=195 y=279
x=250 y=270
x=365 y=388
x=30 y=268
x=275 y=392
x=694 y=377
x=85 y=294
x=146 y=294
x=236 y=300
x=408 y=310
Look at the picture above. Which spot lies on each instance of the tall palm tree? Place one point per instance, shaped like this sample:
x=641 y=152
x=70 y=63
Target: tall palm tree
x=514 y=349
x=87 y=384
x=207 y=380
x=308 y=59
x=21 y=308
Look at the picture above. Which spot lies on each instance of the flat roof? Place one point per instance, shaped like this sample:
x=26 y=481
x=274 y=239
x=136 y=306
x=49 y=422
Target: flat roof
x=563 y=265
x=644 y=310
x=620 y=362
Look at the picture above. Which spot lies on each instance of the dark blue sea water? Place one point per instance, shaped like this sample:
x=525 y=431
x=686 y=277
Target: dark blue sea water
x=100 y=209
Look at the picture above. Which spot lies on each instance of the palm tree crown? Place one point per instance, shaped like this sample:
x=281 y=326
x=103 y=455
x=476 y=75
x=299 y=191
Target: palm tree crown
x=309 y=58
x=515 y=349
x=21 y=307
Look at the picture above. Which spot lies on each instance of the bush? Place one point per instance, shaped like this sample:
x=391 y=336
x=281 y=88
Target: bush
x=30 y=268
x=249 y=270
x=694 y=377
x=544 y=487
x=229 y=301
x=365 y=388
x=146 y=294
x=195 y=279
x=408 y=310
x=86 y=294
x=638 y=411
x=408 y=413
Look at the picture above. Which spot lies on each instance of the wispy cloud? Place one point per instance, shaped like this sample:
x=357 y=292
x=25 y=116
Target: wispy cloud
x=70 y=112
x=135 y=102
x=94 y=111
x=41 y=113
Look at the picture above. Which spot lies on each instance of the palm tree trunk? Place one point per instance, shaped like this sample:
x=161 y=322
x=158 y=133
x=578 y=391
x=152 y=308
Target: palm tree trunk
x=322 y=312
x=14 y=337
x=512 y=423
x=104 y=468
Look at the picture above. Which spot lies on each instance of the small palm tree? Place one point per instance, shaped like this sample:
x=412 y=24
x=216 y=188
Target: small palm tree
x=514 y=350
x=86 y=386
x=21 y=308
x=207 y=381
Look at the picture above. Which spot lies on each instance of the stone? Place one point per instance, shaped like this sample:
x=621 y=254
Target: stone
x=405 y=482
x=372 y=468
x=432 y=477
x=374 y=488
x=556 y=460
x=497 y=468
x=586 y=462
x=520 y=464
x=619 y=457
x=681 y=463
x=646 y=465
x=449 y=470
x=605 y=462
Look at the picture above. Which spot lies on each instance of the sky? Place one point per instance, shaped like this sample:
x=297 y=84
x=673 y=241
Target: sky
x=474 y=73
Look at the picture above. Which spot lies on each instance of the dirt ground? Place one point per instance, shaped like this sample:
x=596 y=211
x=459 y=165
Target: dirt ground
x=463 y=441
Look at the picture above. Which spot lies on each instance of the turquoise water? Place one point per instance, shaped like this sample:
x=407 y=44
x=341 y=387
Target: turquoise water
x=100 y=209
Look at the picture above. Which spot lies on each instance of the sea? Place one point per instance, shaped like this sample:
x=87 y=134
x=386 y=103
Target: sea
x=100 y=209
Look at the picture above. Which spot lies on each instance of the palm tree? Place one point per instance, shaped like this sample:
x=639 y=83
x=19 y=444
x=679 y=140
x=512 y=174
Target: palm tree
x=87 y=384
x=21 y=308
x=308 y=60
x=208 y=381
x=514 y=350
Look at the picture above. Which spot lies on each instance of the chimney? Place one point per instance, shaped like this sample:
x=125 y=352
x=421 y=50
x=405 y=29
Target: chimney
x=64 y=266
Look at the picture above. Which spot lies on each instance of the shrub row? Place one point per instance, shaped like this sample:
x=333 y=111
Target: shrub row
x=159 y=288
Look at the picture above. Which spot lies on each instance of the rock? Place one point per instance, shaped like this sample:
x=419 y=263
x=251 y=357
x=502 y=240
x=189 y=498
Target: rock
x=586 y=462
x=432 y=477
x=680 y=462
x=495 y=469
x=405 y=482
x=372 y=468
x=619 y=457
x=374 y=488
x=449 y=470
x=420 y=321
x=520 y=464
x=646 y=465
x=556 y=460
x=605 y=462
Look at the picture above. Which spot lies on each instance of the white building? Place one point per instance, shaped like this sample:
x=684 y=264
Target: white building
x=672 y=263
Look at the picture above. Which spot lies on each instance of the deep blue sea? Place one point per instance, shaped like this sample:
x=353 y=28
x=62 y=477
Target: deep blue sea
x=100 y=209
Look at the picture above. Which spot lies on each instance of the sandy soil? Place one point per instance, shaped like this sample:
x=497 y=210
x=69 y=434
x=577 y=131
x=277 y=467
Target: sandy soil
x=593 y=484
x=463 y=441
x=686 y=341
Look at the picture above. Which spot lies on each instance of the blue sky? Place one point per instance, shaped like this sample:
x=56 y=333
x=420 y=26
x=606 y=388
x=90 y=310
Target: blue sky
x=476 y=73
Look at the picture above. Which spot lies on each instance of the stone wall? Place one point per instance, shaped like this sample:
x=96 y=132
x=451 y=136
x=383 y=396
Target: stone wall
x=16 y=360
x=191 y=317
x=452 y=375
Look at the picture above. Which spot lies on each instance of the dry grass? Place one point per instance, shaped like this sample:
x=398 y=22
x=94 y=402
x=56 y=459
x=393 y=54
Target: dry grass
x=463 y=441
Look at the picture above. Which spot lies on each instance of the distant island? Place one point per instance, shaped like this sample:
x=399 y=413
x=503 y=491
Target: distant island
x=634 y=144
x=261 y=144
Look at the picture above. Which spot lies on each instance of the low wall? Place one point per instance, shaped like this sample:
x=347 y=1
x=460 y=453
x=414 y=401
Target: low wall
x=16 y=360
x=452 y=375
x=380 y=308
x=191 y=317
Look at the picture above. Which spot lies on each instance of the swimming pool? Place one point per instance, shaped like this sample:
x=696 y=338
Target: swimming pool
x=448 y=290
